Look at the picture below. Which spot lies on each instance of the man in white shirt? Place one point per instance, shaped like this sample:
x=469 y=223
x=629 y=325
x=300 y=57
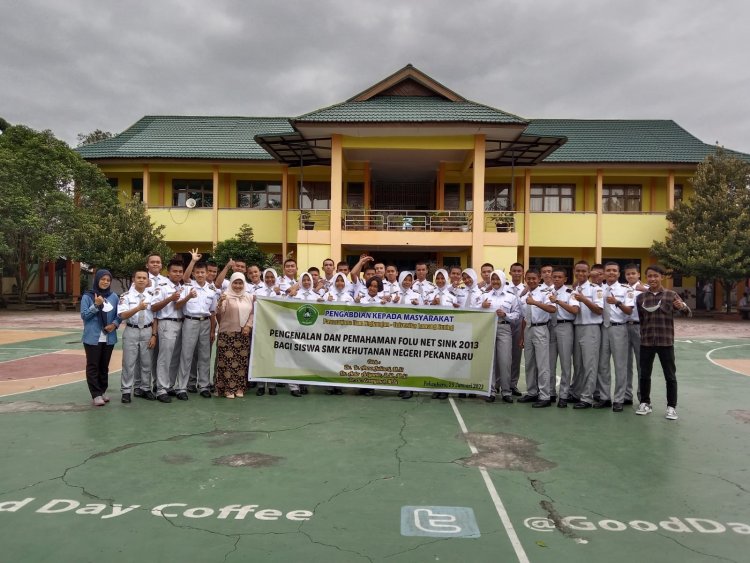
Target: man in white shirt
x=588 y=336
x=562 y=346
x=633 y=278
x=616 y=310
x=139 y=336
x=516 y=287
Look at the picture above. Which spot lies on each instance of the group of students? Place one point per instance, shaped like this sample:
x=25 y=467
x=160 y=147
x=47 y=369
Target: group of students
x=172 y=321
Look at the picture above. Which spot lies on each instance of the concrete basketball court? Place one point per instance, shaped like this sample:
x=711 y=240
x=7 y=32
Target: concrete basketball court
x=340 y=479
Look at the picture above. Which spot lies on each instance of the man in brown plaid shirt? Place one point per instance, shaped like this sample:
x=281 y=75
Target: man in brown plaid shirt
x=656 y=309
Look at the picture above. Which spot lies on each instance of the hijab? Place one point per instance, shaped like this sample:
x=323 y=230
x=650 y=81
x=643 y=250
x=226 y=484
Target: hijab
x=239 y=299
x=334 y=290
x=105 y=293
x=500 y=274
x=447 y=279
x=402 y=277
x=263 y=278
x=473 y=275
x=301 y=287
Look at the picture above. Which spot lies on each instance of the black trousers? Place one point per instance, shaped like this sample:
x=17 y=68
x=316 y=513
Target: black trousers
x=666 y=359
x=97 y=367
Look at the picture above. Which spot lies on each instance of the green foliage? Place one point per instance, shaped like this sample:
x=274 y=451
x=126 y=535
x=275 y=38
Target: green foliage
x=709 y=235
x=93 y=137
x=242 y=247
x=42 y=181
x=117 y=237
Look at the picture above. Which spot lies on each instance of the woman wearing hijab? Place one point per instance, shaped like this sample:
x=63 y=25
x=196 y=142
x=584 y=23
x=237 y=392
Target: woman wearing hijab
x=306 y=291
x=441 y=295
x=339 y=292
x=235 y=315
x=406 y=295
x=100 y=322
x=471 y=297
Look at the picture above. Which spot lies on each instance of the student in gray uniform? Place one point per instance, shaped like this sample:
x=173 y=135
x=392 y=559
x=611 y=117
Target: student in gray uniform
x=547 y=285
x=421 y=285
x=516 y=288
x=507 y=307
x=169 y=313
x=618 y=305
x=562 y=346
x=588 y=334
x=198 y=331
x=155 y=281
x=536 y=310
x=139 y=337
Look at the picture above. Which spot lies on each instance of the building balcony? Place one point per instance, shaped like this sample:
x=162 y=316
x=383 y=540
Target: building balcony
x=406 y=220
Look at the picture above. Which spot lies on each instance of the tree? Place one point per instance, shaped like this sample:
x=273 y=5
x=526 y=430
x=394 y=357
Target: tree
x=709 y=235
x=117 y=237
x=44 y=186
x=243 y=246
x=94 y=137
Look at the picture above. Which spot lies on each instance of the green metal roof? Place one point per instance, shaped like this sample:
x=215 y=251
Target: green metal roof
x=619 y=140
x=409 y=109
x=170 y=136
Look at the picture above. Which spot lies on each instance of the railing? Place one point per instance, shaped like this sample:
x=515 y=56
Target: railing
x=405 y=220
x=314 y=219
x=500 y=221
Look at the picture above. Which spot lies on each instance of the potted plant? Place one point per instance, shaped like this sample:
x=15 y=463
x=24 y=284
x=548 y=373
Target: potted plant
x=504 y=221
x=306 y=220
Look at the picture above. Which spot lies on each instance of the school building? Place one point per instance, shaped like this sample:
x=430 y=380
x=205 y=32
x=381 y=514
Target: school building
x=408 y=169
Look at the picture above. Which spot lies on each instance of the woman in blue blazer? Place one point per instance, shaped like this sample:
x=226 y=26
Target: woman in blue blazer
x=100 y=322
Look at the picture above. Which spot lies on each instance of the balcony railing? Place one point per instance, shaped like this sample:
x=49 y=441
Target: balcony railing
x=314 y=219
x=500 y=221
x=405 y=220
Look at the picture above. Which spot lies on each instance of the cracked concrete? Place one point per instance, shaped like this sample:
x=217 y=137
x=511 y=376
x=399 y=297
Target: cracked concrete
x=506 y=451
x=36 y=406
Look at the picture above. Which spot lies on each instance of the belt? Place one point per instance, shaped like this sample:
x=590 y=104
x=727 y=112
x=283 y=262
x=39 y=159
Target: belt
x=196 y=318
x=171 y=319
x=503 y=322
x=616 y=324
x=540 y=324
x=136 y=326
x=634 y=322
x=563 y=321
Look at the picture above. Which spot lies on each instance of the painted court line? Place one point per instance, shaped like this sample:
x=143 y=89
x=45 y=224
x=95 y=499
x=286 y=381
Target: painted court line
x=708 y=357
x=27 y=357
x=499 y=506
x=42 y=389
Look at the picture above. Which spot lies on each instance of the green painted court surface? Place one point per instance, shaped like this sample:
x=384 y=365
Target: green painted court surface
x=327 y=478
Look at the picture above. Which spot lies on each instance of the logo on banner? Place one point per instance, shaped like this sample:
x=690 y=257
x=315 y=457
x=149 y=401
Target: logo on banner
x=307 y=315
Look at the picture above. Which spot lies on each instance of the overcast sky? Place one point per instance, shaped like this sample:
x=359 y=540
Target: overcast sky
x=78 y=65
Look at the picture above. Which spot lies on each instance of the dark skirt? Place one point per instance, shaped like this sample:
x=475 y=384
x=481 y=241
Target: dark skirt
x=232 y=359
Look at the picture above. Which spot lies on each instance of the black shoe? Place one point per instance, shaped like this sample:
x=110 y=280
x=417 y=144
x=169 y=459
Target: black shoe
x=182 y=396
x=628 y=402
x=436 y=395
x=303 y=389
x=407 y=394
x=573 y=399
x=472 y=395
x=597 y=398
x=192 y=389
x=401 y=393
x=462 y=395
x=338 y=391
x=206 y=394
x=515 y=392
x=541 y=404
x=553 y=398
x=295 y=393
x=616 y=407
x=252 y=385
x=172 y=393
x=273 y=391
x=369 y=392
x=508 y=399
x=153 y=389
x=562 y=404
x=528 y=399
x=211 y=387
x=164 y=398
x=125 y=399
x=582 y=405
x=261 y=391
x=602 y=404
x=138 y=392
x=443 y=396
x=490 y=399
x=149 y=396
x=330 y=392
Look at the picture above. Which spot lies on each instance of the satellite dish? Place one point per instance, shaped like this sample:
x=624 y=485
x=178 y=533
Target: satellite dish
x=190 y=203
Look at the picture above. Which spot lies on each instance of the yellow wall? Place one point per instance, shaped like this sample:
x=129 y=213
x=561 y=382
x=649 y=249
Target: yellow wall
x=632 y=230
x=308 y=255
x=563 y=229
x=184 y=225
x=501 y=256
x=266 y=224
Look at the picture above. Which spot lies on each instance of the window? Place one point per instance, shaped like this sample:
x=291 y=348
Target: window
x=622 y=198
x=452 y=197
x=553 y=197
x=137 y=189
x=317 y=195
x=202 y=191
x=496 y=197
x=254 y=194
x=677 y=193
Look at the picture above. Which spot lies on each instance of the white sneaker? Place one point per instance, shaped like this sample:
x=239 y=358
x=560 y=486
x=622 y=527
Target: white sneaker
x=98 y=402
x=644 y=408
x=671 y=413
